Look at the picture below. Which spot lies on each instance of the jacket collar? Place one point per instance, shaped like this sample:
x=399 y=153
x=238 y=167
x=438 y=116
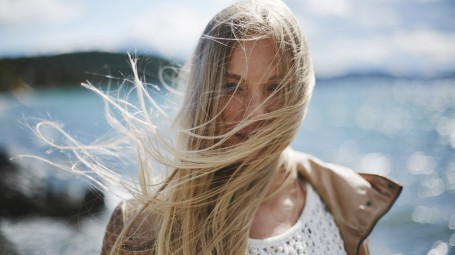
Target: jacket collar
x=356 y=201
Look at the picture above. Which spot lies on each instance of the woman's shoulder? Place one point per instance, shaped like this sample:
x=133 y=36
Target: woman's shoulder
x=132 y=227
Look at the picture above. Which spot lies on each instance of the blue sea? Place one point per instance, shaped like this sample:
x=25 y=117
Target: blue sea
x=401 y=128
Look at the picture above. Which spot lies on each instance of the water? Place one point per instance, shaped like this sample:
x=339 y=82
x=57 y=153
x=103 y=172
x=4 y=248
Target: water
x=404 y=129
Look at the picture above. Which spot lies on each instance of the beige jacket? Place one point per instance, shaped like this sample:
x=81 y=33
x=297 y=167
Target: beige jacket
x=356 y=201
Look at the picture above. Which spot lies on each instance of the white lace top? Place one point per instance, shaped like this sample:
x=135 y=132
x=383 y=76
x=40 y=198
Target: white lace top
x=314 y=233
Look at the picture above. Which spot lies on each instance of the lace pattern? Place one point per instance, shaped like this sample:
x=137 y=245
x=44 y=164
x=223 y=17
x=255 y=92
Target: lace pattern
x=314 y=233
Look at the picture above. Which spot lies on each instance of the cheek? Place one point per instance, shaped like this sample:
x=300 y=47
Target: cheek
x=275 y=104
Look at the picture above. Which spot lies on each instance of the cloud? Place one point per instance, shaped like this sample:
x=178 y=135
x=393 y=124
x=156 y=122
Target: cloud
x=173 y=28
x=340 y=8
x=427 y=44
x=169 y=28
x=375 y=15
x=390 y=36
x=401 y=52
x=344 y=36
x=336 y=56
x=23 y=12
x=170 y=33
x=429 y=50
x=56 y=43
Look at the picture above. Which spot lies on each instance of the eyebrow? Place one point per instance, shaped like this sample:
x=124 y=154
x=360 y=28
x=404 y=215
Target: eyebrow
x=234 y=76
x=239 y=77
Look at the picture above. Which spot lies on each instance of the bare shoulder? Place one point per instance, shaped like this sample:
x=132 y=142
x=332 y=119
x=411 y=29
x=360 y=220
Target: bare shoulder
x=132 y=228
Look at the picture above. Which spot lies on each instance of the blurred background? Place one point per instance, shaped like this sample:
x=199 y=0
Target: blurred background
x=384 y=103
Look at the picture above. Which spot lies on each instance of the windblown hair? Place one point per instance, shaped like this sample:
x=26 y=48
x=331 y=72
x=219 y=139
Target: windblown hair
x=207 y=201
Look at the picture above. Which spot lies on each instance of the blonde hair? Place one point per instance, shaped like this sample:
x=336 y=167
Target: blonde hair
x=208 y=200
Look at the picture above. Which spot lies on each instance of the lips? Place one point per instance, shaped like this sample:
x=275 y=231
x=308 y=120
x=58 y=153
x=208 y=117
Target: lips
x=244 y=134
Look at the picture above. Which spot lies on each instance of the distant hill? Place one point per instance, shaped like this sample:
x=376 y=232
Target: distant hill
x=69 y=70
x=382 y=75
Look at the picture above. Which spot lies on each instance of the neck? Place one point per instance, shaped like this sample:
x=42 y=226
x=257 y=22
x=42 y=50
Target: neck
x=283 y=179
x=281 y=208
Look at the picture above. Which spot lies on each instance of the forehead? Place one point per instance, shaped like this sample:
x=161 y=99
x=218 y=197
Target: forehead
x=254 y=61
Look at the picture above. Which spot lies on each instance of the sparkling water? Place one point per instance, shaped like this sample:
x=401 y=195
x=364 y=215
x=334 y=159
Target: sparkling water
x=401 y=128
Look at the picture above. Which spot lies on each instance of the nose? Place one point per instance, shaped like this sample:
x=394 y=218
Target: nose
x=256 y=105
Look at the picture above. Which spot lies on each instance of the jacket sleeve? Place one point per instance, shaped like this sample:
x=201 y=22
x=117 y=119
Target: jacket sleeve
x=113 y=229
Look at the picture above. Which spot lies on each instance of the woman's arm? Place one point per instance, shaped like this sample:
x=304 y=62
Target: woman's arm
x=139 y=238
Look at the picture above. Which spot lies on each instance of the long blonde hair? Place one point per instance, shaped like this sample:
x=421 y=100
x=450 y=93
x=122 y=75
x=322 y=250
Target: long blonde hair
x=209 y=197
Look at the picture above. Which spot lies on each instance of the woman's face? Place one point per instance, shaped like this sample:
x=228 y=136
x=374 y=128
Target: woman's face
x=252 y=76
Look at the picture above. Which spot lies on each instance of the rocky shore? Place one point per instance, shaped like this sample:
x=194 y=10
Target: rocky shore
x=69 y=70
x=26 y=194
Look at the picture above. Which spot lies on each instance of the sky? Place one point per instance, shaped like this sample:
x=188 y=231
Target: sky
x=405 y=37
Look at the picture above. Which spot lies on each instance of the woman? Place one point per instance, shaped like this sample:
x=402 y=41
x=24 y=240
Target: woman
x=235 y=187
